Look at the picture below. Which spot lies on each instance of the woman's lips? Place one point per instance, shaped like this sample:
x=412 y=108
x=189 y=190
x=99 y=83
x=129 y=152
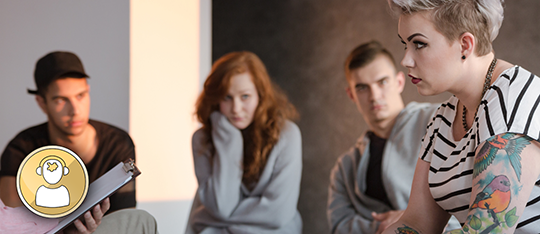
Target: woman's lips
x=415 y=80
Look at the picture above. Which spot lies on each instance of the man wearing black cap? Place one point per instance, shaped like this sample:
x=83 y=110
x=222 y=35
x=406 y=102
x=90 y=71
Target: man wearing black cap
x=63 y=95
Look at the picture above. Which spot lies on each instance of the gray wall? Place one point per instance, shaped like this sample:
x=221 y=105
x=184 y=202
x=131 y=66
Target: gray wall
x=97 y=31
x=304 y=44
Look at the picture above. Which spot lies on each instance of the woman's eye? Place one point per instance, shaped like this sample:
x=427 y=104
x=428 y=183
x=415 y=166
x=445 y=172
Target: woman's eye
x=419 y=45
x=245 y=96
x=227 y=98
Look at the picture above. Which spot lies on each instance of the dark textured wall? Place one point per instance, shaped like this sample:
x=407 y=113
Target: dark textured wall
x=304 y=44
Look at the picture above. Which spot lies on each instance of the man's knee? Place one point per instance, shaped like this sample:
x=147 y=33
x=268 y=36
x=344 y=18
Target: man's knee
x=128 y=221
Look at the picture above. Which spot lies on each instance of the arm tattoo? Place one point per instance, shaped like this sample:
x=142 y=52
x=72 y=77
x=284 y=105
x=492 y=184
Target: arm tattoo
x=406 y=230
x=495 y=197
x=512 y=144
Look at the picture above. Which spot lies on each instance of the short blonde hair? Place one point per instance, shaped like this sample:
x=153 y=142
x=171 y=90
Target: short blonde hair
x=452 y=18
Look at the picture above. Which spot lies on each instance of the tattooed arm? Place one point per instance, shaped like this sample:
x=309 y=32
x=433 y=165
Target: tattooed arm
x=423 y=214
x=506 y=167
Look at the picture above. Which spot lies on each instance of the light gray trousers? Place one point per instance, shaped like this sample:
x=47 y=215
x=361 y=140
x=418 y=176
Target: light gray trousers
x=128 y=221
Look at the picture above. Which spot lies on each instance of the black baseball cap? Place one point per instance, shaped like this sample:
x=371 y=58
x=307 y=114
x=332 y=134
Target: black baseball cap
x=55 y=65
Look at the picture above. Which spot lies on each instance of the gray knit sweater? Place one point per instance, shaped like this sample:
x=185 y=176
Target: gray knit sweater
x=223 y=204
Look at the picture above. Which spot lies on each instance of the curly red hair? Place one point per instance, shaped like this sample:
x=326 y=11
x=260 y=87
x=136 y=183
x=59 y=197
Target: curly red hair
x=269 y=117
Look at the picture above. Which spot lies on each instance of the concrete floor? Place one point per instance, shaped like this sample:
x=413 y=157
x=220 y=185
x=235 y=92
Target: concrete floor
x=171 y=216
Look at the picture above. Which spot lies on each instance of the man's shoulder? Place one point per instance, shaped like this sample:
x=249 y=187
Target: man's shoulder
x=348 y=156
x=34 y=133
x=416 y=114
x=351 y=157
x=21 y=145
x=423 y=108
x=346 y=166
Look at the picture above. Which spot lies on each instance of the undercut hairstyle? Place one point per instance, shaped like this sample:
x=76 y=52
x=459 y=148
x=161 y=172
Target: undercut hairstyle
x=364 y=54
x=269 y=118
x=452 y=18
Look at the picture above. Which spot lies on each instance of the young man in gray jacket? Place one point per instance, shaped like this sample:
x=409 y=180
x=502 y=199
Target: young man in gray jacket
x=370 y=184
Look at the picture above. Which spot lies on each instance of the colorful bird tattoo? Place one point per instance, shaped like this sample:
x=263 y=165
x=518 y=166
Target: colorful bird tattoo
x=512 y=146
x=495 y=196
x=406 y=230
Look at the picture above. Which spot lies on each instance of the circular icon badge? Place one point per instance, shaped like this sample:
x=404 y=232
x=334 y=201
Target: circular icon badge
x=52 y=181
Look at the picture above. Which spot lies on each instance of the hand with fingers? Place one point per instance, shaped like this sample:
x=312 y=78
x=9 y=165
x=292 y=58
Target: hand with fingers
x=386 y=219
x=91 y=219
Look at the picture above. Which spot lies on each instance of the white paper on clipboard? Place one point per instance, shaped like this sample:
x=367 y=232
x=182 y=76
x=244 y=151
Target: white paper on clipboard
x=100 y=189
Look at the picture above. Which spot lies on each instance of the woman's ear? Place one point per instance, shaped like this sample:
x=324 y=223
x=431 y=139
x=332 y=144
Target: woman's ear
x=468 y=44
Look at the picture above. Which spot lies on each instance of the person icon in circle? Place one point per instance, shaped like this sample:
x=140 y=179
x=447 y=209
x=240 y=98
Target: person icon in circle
x=52 y=168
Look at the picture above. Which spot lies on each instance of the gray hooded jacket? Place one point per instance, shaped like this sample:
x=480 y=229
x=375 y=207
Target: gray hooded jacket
x=349 y=208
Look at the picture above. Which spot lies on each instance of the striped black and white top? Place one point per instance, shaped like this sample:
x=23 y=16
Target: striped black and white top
x=510 y=105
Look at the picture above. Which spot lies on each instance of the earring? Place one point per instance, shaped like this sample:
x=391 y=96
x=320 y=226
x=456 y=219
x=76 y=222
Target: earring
x=463 y=57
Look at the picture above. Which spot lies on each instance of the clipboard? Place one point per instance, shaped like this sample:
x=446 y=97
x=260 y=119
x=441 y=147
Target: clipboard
x=100 y=189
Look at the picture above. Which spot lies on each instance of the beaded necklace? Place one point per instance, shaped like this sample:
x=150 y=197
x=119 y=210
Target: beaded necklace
x=487 y=82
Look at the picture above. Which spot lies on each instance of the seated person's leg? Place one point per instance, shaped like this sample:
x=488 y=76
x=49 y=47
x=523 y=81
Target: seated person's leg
x=132 y=221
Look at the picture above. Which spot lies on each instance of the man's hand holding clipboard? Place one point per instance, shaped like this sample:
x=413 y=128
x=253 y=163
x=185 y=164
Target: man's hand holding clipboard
x=99 y=191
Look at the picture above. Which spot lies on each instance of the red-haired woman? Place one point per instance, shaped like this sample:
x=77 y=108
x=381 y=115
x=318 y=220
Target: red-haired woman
x=247 y=155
